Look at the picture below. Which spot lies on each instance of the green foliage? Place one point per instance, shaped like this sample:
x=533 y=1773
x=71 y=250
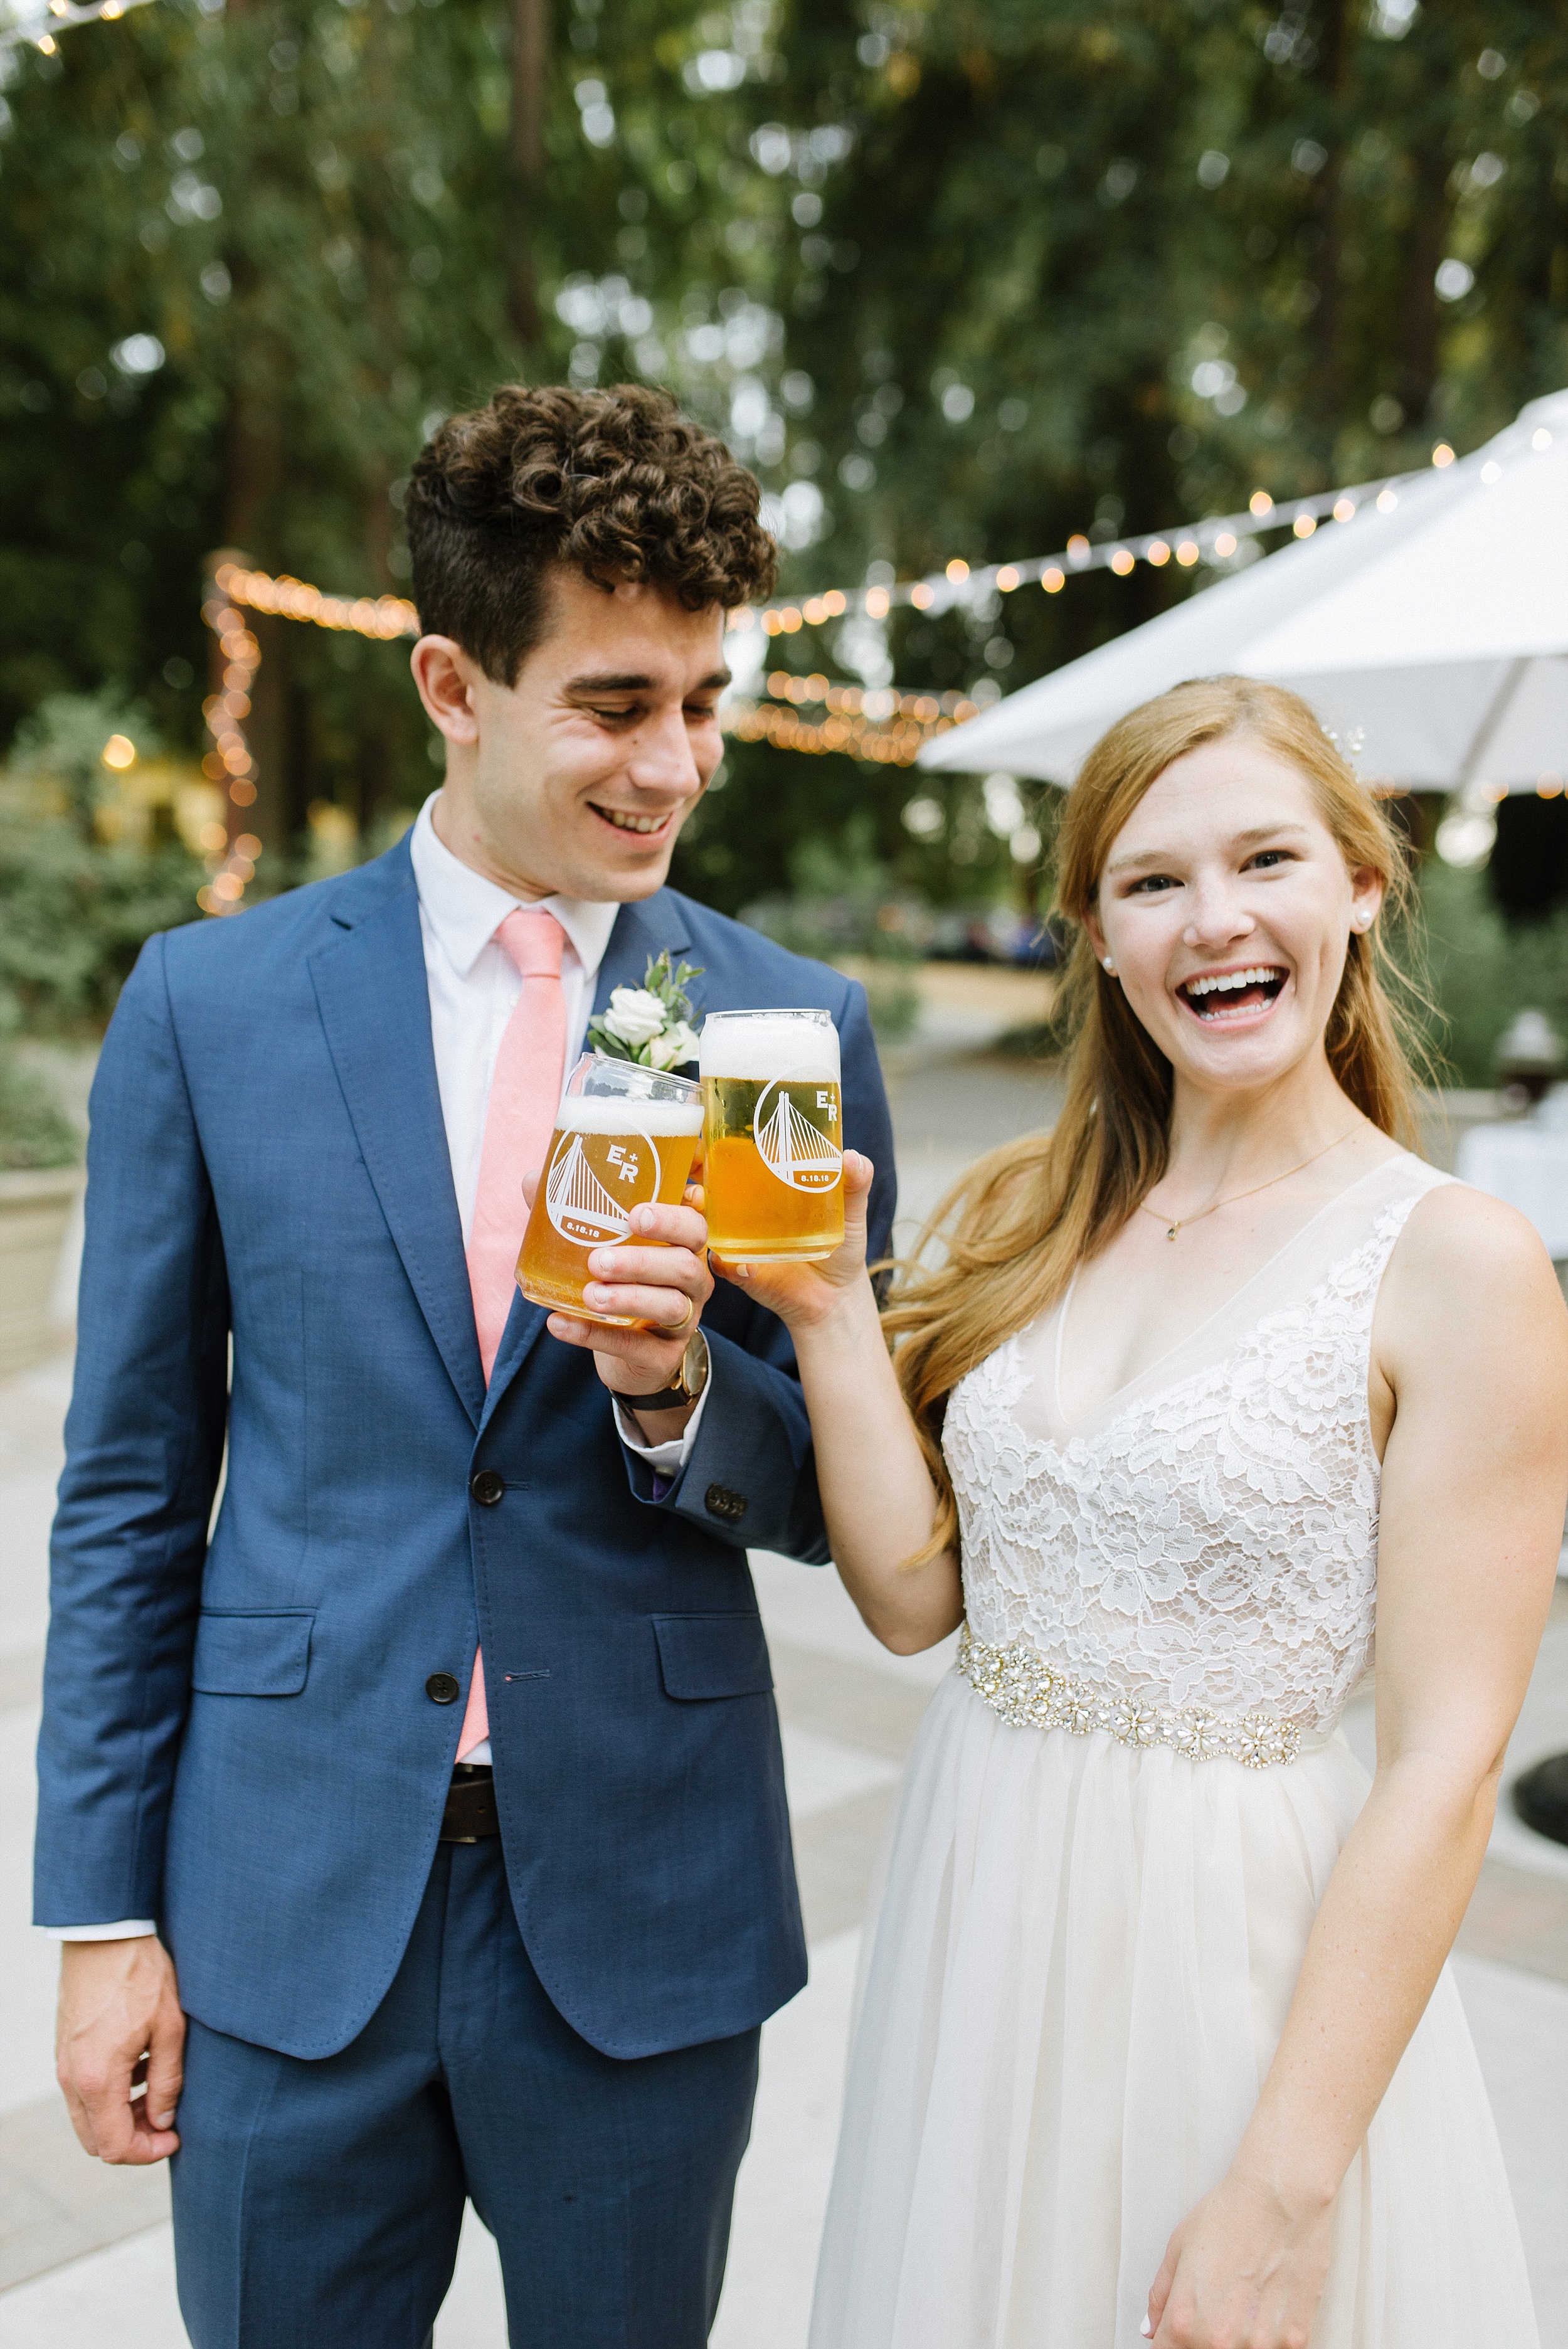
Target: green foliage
x=747 y=837
x=313 y=210
x=34 y=1133
x=1051 y=218
x=1483 y=970
x=61 y=744
x=75 y=910
x=957 y=281
x=840 y=907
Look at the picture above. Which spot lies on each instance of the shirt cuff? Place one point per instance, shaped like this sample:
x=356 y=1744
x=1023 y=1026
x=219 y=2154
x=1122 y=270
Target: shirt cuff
x=666 y=1459
x=128 y=1929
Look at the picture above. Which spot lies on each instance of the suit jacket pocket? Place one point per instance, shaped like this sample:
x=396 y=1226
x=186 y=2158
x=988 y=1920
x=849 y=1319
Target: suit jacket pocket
x=242 y=1654
x=712 y=1655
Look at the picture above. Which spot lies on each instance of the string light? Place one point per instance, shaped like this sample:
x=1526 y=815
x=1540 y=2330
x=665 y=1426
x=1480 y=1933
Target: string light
x=383 y=617
x=868 y=722
x=864 y=722
x=230 y=761
x=1218 y=536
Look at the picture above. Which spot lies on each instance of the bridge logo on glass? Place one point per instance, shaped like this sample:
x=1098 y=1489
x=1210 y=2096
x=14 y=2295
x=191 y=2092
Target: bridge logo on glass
x=795 y=1134
x=594 y=1182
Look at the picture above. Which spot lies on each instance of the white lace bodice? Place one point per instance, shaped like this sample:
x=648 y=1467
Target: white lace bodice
x=1209 y=1536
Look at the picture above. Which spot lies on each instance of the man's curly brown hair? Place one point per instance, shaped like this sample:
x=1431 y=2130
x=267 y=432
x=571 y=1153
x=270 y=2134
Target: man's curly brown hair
x=617 y=483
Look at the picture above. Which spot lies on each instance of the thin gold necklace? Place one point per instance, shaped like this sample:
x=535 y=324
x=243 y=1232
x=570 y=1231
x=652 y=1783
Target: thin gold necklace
x=1256 y=1187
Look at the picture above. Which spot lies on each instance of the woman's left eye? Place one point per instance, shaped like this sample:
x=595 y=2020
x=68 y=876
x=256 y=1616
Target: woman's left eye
x=1268 y=857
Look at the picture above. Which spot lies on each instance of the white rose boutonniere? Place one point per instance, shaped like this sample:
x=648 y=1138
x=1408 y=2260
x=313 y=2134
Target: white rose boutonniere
x=651 y=1023
x=635 y=1018
x=675 y=1046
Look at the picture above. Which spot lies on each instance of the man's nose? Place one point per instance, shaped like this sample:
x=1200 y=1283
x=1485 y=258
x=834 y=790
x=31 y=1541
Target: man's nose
x=661 y=757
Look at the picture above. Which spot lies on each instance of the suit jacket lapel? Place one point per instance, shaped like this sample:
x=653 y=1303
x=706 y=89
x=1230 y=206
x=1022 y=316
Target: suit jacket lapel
x=640 y=931
x=374 y=1007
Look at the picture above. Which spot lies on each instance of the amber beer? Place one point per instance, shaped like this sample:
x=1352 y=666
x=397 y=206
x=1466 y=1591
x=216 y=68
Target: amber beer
x=625 y=1137
x=772 y=1136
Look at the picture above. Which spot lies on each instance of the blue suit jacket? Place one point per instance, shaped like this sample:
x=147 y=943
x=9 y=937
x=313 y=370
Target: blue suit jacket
x=237 y=1738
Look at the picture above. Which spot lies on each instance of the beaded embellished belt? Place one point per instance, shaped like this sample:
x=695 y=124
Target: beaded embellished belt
x=1024 y=1688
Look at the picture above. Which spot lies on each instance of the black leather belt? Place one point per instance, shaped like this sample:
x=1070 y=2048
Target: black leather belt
x=470 y=1813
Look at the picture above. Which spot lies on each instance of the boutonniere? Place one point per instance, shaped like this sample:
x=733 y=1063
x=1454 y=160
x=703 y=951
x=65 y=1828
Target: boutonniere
x=651 y=1023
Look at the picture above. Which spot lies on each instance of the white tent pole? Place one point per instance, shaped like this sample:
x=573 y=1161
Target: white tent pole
x=1496 y=711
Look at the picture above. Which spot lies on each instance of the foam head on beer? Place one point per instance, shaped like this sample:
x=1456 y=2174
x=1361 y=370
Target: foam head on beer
x=625 y=1137
x=768 y=1044
x=773 y=1135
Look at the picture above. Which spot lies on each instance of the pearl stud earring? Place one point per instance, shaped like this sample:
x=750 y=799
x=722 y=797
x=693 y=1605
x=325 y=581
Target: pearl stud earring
x=1110 y=966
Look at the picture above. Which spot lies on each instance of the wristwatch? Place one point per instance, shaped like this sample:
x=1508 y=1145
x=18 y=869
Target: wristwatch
x=691 y=1377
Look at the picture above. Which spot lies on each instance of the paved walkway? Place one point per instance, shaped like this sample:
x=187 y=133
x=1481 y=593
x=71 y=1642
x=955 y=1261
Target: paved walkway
x=85 y=2254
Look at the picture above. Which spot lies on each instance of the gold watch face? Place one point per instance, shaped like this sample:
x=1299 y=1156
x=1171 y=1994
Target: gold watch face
x=693 y=1374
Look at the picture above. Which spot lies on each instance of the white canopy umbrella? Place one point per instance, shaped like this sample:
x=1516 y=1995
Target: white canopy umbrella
x=1430 y=633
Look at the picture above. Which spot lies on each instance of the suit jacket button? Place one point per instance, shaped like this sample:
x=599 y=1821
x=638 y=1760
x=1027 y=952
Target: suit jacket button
x=720 y=1502
x=486 y=1488
x=443 y=1688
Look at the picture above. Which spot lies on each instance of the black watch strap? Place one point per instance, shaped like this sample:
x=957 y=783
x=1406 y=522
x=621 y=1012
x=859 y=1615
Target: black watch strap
x=670 y=1398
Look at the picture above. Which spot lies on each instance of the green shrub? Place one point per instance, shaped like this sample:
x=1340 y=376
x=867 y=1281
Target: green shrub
x=842 y=910
x=33 y=1131
x=74 y=909
x=1481 y=969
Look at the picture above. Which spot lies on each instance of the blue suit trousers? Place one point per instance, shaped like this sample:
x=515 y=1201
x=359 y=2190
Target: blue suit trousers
x=321 y=2201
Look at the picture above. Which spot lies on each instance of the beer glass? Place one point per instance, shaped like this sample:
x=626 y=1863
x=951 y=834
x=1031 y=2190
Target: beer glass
x=772 y=1136
x=625 y=1137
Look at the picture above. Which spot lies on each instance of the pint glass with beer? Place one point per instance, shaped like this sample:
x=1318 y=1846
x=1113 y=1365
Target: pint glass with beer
x=772 y=1136
x=625 y=1137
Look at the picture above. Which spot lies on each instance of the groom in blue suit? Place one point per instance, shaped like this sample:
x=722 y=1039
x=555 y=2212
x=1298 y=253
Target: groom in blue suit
x=415 y=1825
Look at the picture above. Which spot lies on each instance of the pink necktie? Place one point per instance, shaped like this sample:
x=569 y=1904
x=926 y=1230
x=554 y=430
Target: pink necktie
x=524 y=1094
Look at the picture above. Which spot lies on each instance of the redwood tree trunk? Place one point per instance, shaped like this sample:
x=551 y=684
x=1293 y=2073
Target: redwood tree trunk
x=525 y=165
x=1426 y=238
x=1332 y=73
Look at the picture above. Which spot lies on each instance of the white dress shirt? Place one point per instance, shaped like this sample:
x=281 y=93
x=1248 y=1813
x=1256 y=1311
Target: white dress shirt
x=474 y=985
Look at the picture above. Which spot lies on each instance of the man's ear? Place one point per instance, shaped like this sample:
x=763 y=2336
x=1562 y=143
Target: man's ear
x=445 y=677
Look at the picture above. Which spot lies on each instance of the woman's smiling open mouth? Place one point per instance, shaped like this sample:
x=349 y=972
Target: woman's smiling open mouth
x=1216 y=997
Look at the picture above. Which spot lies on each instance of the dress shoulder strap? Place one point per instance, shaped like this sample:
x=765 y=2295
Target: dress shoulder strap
x=1339 y=1274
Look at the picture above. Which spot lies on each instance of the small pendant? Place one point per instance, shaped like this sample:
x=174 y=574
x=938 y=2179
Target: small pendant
x=1172 y=1232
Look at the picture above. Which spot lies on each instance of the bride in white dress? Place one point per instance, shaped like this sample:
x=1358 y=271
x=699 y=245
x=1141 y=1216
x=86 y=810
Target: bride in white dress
x=1154 y=2034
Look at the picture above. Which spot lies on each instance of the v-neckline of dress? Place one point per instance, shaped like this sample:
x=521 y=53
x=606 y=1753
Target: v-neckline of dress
x=1070 y=1426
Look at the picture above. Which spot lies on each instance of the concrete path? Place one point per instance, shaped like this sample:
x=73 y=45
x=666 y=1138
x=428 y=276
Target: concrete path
x=86 y=2260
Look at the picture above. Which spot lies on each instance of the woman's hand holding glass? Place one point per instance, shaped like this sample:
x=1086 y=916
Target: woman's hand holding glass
x=810 y=1297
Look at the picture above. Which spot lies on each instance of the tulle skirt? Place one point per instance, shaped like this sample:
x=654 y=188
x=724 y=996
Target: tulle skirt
x=1077 y=1970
